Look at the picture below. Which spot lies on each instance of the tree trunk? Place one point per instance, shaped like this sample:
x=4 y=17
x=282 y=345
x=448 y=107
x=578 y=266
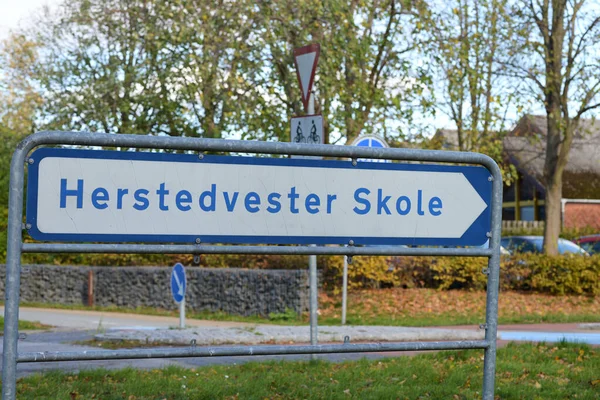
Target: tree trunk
x=553 y=215
x=554 y=166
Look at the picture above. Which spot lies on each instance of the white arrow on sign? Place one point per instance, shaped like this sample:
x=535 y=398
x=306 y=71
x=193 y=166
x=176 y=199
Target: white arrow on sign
x=306 y=59
x=179 y=285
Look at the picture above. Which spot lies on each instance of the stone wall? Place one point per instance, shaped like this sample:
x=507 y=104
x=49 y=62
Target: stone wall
x=231 y=290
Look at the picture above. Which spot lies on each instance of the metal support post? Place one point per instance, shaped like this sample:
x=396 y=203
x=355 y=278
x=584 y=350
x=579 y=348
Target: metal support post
x=345 y=290
x=312 y=270
x=13 y=275
x=182 y=313
x=491 y=311
x=314 y=305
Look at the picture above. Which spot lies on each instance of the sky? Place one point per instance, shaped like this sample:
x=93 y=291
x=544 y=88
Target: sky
x=13 y=12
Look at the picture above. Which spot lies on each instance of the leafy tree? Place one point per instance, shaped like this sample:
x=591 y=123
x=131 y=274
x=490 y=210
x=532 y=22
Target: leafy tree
x=210 y=67
x=102 y=68
x=215 y=48
x=19 y=102
x=365 y=80
x=464 y=39
x=19 y=99
x=557 y=52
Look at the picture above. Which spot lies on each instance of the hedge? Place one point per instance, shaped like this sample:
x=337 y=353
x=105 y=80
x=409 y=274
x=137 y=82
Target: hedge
x=559 y=275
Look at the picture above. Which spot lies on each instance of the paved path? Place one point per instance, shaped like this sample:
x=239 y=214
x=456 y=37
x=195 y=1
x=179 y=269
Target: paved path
x=100 y=320
x=290 y=334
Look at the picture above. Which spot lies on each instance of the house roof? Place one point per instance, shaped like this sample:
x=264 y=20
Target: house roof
x=525 y=148
x=447 y=138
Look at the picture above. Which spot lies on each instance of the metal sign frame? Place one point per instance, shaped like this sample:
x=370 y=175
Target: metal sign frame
x=15 y=248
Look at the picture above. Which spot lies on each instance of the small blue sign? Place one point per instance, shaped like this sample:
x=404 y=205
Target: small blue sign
x=371 y=141
x=178 y=283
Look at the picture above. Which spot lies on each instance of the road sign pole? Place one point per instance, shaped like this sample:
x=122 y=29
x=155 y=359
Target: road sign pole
x=314 y=305
x=13 y=275
x=178 y=290
x=312 y=270
x=345 y=290
x=182 y=313
x=493 y=287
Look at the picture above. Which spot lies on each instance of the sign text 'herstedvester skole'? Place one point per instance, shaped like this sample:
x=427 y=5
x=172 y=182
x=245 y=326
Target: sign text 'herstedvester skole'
x=107 y=196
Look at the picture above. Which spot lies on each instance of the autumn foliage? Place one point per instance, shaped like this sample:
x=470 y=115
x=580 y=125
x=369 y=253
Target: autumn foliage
x=557 y=275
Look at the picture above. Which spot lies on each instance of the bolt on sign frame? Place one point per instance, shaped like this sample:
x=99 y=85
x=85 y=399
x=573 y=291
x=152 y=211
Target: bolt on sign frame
x=16 y=247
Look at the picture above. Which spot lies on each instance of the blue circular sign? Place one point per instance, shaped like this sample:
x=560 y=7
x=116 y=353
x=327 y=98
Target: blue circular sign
x=370 y=141
x=178 y=283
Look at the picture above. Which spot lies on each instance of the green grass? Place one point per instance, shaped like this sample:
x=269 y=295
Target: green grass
x=525 y=371
x=24 y=325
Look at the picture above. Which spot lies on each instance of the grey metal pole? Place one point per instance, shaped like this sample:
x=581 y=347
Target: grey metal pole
x=13 y=275
x=345 y=290
x=312 y=270
x=314 y=305
x=182 y=313
x=255 y=350
x=130 y=248
x=491 y=312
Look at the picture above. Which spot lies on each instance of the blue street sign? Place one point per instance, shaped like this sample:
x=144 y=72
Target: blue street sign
x=178 y=283
x=121 y=196
x=370 y=141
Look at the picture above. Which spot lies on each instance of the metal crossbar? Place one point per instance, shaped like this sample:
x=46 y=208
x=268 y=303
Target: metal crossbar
x=269 y=350
x=281 y=250
x=16 y=247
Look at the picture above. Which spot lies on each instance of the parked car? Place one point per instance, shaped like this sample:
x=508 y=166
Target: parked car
x=590 y=243
x=503 y=251
x=534 y=244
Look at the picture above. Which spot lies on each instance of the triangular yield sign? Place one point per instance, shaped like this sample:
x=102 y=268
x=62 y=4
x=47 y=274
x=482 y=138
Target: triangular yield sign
x=306 y=59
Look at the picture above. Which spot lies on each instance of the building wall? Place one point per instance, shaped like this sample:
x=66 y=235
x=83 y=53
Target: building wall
x=581 y=215
x=231 y=290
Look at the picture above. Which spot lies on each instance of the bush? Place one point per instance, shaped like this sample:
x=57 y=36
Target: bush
x=363 y=272
x=559 y=275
